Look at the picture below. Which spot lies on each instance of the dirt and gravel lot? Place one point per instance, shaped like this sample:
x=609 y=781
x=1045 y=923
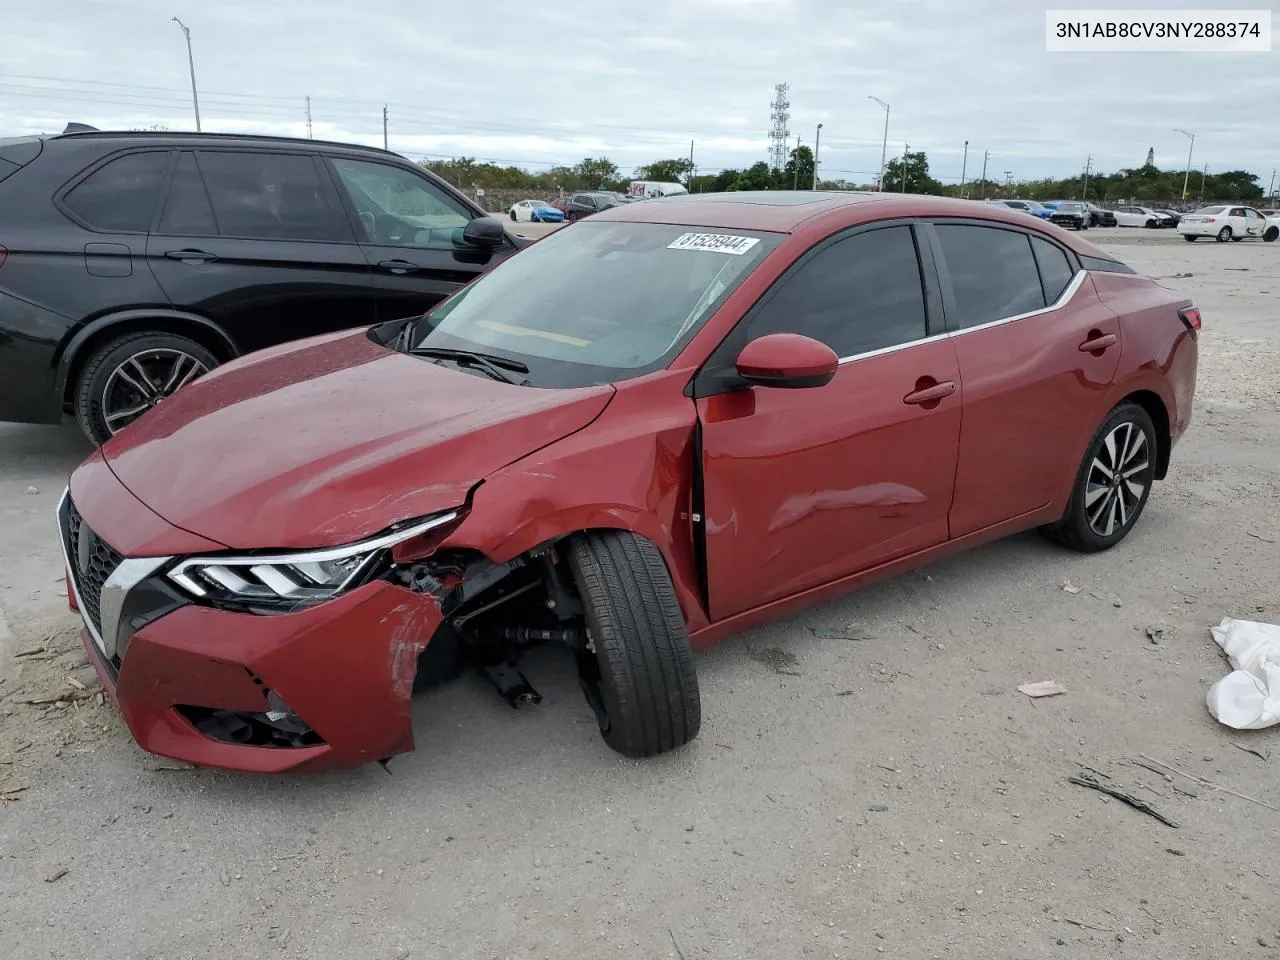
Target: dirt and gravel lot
x=891 y=794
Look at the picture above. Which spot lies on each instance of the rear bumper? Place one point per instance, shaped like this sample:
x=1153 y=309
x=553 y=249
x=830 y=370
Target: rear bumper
x=29 y=336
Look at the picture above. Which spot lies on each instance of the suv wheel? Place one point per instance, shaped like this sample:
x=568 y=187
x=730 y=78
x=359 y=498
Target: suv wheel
x=126 y=377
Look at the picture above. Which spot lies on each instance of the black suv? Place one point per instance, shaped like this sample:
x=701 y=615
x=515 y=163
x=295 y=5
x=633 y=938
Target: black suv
x=131 y=263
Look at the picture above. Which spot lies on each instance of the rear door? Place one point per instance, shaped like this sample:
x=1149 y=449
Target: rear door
x=803 y=487
x=1037 y=351
x=1254 y=223
x=254 y=240
x=410 y=231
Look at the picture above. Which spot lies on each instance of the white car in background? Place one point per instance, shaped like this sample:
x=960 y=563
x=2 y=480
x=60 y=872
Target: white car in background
x=1225 y=223
x=1141 y=217
x=535 y=211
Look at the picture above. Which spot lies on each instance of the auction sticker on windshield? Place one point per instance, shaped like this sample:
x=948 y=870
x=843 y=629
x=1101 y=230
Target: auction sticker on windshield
x=717 y=242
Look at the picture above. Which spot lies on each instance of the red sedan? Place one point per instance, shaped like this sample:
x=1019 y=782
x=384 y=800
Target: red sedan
x=634 y=438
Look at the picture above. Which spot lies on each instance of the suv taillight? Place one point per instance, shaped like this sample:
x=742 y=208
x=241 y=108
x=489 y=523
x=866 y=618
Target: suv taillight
x=1190 y=317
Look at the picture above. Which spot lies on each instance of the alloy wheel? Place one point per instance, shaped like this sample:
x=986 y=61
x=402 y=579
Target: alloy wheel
x=1117 y=480
x=143 y=381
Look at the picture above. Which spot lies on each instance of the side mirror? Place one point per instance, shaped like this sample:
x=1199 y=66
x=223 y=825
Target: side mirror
x=484 y=232
x=787 y=360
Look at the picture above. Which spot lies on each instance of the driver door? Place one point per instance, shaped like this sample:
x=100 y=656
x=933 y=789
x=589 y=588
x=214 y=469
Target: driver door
x=407 y=227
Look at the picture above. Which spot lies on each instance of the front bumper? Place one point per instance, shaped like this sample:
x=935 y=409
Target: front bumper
x=321 y=688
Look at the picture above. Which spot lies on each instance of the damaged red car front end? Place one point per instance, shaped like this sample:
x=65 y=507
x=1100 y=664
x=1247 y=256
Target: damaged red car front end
x=315 y=688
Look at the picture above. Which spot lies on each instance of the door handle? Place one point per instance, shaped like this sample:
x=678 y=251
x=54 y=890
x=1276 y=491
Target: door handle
x=398 y=266
x=932 y=394
x=1098 y=343
x=190 y=256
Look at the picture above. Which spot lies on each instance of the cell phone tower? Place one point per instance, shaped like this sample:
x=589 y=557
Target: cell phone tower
x=779 y=134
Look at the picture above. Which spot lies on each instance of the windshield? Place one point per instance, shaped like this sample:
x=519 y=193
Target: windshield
x=1208 y=211
x=600 y=301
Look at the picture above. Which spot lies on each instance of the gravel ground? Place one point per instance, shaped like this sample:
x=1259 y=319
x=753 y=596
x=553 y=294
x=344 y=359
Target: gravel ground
x=889 y=795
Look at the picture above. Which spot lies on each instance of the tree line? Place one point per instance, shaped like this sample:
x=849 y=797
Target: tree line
x=909 y=174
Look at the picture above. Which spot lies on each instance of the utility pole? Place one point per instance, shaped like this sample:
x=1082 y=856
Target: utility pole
x=191 y=62
x=795 y=178
x=309 y=137
x=1008 y=179
x=884 y=143
x=384 y=127
x=817 y=143
x=1088 y=164
x=986 y=154
x=1204 y=173
x=1186 y=175
x=1271 y=190
x=690 y=183
x=964 y=167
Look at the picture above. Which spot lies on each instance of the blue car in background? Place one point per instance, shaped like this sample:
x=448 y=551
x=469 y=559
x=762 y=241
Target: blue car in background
x=1027 y=206
x=535 y=211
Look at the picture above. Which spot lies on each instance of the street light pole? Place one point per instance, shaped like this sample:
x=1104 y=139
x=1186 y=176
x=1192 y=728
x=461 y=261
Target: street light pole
x=195 y=99
x=817 y=143
x=1187 y=175
x=884 y=144
x=964 y=167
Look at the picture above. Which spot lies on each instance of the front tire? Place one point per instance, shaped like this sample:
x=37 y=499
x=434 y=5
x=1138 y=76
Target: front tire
x=1190 y=238
x=513 y=216
x=1112 y=484
x=637 y=671
x=1270 y=234
x=127 y=376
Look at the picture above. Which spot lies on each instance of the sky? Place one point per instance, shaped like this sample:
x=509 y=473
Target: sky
x=552 y=81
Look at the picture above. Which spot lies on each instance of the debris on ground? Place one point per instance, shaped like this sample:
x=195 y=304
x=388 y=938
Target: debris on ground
x=1042 y=688
x=1264 y=757
x=1070 y=587
x=854 y=631
x=33 y=490
x=1208 y=783
x=57 y=875
x=1248 y=698
x=1156 y=635
x=1135 y=802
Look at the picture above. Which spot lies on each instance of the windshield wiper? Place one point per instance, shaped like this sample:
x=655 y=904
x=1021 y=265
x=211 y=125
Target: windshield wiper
x=496 y=367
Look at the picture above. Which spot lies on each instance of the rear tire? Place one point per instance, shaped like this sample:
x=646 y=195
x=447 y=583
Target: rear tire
x=102 y=393
x=1224 y=234
x=1190 y=238
x=640 y=677
x=1102 y=509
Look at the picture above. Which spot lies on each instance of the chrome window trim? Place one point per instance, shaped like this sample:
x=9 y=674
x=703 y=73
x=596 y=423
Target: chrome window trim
x=1077 y=281
x=178 y=574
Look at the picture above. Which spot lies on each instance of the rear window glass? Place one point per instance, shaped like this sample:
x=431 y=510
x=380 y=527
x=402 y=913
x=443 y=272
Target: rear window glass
x=122 y=195
x=1208 y=211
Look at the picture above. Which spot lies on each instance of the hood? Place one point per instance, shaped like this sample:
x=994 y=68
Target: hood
x=329 y=440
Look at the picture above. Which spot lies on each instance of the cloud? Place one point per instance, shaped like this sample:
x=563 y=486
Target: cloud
x=546 y=83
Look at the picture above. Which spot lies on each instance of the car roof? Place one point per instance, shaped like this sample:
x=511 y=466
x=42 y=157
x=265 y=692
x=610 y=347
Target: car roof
x=786 y=211
x=245 y=139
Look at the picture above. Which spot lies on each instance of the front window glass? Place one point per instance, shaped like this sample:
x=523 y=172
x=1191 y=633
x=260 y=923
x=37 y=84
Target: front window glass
x=599 y=302
x=398 y=207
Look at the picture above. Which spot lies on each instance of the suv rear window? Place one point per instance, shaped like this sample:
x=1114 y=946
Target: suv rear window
x=122 y=195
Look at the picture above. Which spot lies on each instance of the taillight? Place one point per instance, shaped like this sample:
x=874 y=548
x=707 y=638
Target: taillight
x=3 y=253
x=1190 y=317
x=1208 y=219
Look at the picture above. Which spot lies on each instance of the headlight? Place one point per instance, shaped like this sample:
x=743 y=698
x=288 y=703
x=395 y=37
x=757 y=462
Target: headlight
x=298 y=578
